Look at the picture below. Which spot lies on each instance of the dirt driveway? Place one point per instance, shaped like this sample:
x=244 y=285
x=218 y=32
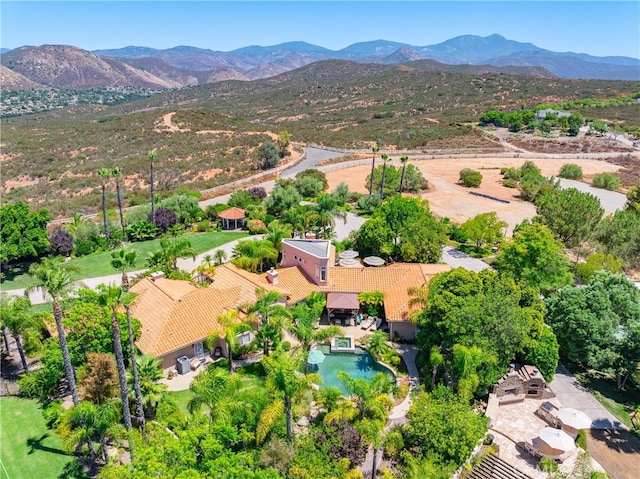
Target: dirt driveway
x=448 y=199
x=617 y=451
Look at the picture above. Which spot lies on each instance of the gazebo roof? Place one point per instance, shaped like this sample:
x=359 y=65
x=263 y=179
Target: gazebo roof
x=233 y=213
x=342 y=301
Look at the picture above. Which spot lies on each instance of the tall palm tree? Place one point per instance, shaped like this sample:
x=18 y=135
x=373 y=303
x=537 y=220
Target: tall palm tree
x=104 y=174
x=112 y=297
x=323 y=215
x=117 y=174
x=369 y=397
x=372 y=432
x=53 y=277
x=123 y=259
x=215 y=389
x=276 y=232
x=305 y=317
x=436 y=359
x=286 y=382
x=149 y=377
x=404 y=160
x=152 y=156
x=14 y=314
x=374 y=150
x=385 y=160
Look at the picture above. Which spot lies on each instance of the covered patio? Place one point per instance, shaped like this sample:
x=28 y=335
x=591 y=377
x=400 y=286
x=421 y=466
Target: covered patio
x=343 y=308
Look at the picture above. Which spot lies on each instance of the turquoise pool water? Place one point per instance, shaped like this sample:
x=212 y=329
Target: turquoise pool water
x=358 y=365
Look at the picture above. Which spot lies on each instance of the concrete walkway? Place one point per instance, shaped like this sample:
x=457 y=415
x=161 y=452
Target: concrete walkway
x=409 y=353
x=570 y=393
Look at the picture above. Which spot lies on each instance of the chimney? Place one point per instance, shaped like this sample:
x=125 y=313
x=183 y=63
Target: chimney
x=157 y=276
x=310 y=236
x=272 y=276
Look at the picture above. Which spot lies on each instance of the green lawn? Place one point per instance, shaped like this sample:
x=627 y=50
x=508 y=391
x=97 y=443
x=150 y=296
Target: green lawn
x=99 y=264
x=27 y=448
x=182 y=398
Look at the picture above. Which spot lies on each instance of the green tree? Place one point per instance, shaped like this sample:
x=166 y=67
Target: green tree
x=466 y=361
x=268 y=156
x=113 y=298
x=23 y=232
x=374 y=150
x=571 y=214
x=99 y=380
x=598 y=262
x=619 y=234
x=385 y=160
x=52 y=277
x=404 y=160
x=372 y=432
x=117 y=174
x=286 y=383
x=543 y=353
x=15 y=316
x=284 y=140
x=441 y=425
x=575 y=121
x=104 y=174
x=535 y=258
x=166 y=258
x=185 y=207
x=598 y=325
x=232 y=327
x=151 y=389
x=483 y=229
x=323 y=214
x=281 y=199
x=215 y=389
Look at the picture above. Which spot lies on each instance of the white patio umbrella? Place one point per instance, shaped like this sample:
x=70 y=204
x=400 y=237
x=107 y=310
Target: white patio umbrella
x=348 y=254
x=573 y=418
x=315 y=356
x=373 y=261
x=550 y=440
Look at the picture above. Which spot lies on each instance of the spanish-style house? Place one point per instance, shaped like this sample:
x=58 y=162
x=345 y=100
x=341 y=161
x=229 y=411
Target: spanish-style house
x=177 y=317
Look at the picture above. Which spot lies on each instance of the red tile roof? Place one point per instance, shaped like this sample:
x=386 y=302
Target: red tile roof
x=233 y=213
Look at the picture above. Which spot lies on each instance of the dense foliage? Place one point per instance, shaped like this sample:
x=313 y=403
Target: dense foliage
x=23 y=232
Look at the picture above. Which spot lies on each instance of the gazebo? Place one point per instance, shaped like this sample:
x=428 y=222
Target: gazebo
x=232 y=218
x=342 y=307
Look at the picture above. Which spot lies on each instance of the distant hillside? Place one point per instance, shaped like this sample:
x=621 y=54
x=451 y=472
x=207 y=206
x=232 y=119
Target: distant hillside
x=62 y=66
x=11 y=80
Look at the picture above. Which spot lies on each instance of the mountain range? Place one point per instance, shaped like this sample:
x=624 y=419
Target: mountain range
x=63 y=66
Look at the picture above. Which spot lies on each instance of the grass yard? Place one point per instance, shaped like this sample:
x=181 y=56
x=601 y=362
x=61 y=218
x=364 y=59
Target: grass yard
x=29 y=449
x=182 y=398
x=99 y=264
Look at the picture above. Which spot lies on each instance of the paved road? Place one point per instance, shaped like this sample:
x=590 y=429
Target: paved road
x=610 y=200
x=571 y=393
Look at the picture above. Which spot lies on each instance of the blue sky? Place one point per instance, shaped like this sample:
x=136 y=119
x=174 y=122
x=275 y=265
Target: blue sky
x=596 y=28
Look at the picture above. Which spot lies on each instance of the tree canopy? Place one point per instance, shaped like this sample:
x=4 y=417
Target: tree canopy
x=23 y=232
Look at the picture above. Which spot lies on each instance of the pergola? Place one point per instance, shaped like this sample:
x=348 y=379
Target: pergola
x=232 y=218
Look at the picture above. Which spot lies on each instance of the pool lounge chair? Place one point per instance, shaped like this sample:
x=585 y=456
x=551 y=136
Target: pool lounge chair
x=367 y=323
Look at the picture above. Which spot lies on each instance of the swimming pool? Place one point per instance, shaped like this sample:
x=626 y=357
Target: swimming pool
x=358 y=364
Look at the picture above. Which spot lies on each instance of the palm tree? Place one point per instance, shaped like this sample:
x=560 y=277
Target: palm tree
x=371 y=431
x=232 y=327
x=251 y=254
x=77 y=221
x=220 y=256
x=105 y=174
x=385 y=160
x=166 y=258
x=375 y=150
x=285 y=382
x=151 y=389
x=152 y=156
x=436 y=359
x=123 y=259
x=215 y=389
x=112 y=297
x=305 y=316
x=370 y=397
x=87 y=422
x=53 y=277
x=323 y=215
x=117 y=174
x=14 y=314
x=403 y=160
x=276 y=232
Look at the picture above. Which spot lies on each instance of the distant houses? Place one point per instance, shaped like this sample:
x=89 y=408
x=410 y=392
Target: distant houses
x=542 y=114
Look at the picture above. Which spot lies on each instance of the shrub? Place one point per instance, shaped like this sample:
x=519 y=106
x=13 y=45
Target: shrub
x=608 y=181
x=509 y=183
x=470 y=178
x=581 y=440
x=204 y=226
x=61 y=242
x=547 y=465
x=570 y=171
x=164 y=219
x=256 y=227
x=510 y=173
x=257 y=193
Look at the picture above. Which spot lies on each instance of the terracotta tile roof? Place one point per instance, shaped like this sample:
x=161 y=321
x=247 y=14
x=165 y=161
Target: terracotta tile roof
x=175 y=314
x=228 y=276
x=233 y=213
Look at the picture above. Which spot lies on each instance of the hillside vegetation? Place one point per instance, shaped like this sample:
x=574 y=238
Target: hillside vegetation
x=51 y=159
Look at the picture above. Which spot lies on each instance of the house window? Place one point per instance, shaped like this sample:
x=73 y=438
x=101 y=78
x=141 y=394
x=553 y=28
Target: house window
x=323 y=273
x=244 y=338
